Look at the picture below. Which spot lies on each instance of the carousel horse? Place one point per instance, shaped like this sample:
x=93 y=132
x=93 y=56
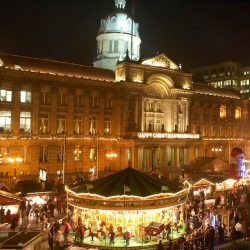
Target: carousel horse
x=94 y=234
x=103 y=230
x=119 y=232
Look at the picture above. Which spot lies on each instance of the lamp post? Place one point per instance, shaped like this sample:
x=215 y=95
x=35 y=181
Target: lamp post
x=15 y=158
x=110 y=156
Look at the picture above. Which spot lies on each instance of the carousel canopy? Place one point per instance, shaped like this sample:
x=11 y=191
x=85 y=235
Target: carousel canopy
x=127 y=181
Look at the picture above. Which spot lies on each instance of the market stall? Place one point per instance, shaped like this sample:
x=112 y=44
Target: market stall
x=11 y=202
x=204 y=186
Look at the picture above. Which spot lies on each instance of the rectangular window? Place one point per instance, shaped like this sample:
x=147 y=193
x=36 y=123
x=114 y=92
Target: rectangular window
x=92 y=125
x=78 y=153
x=158 y=126
x=107 y=125
x=4 y=154
x=93 y=154
x=5 y=121
x=159 y=106
x=43 y=155
x=60 y=153
x=222 y=130
x=44 y=98
x=108 y=102
x=43 y=123
x=25 y=122
x=25 y=96
x=223 y=112
x=5 y=95
x=204 y=131
x=61 y=124
x=150 y=106
x=94 y=101
x=78 y=100
x=115 y=46
x=212 y=129
x=238 y=113
x=110 y=46
x=77 y=125
x=62 y=99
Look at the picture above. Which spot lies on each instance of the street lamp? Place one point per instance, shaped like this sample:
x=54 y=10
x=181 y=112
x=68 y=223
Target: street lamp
x=110 y=156
x=15 y=158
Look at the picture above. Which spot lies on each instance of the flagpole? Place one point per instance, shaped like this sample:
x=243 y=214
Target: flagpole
x=64 y=149
x=132 y=27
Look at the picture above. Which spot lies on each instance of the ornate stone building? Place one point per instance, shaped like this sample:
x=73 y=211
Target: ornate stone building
x=145 y=114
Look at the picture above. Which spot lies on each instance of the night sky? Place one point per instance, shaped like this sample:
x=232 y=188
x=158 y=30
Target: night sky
x=191 y=32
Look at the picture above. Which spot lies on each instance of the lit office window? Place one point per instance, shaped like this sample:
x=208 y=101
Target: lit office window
x=25 y=96
x=92 y=125
x=5 y=95
x=93 y=154
x=25 y=122
x=61 y=124
x=5 y=121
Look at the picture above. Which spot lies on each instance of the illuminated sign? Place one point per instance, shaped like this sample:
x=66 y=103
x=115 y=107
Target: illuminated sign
x=42 y=174
x=168 y=135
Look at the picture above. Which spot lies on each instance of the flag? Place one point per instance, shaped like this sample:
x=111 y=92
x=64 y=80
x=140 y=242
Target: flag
x=126 y=188
x=164 y=188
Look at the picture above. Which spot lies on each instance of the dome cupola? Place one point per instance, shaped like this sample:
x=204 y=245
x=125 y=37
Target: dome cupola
x=117 y=33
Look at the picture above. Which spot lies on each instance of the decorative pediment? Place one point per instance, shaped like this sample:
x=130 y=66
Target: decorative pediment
x=161 y=60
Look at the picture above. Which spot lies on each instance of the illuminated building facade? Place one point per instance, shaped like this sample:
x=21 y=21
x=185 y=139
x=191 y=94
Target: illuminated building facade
x=228 y=74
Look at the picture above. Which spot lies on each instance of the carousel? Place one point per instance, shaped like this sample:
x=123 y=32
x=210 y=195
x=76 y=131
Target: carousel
x=128 y=203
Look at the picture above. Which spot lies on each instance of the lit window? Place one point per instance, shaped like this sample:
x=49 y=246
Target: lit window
x=78 y=154
x=238 y=113
x=43 y=123
x=25 y=96
x=107 y=125
x=5 y=95
x=93 y=154
x=158 y=106
x=5 y=121
x=25 y=122
x=61 y=124
x=222 y=111
x=92 y=125
x=77 y=125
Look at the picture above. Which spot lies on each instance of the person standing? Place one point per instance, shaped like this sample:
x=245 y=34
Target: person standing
x=112 y=237
x=43 y=220
x=211 y=238
x=14 y=223
x=127 y=237
x=2 y=215
x=220 y=234
x=8 y=216
x=59 y=207
x=160 y=246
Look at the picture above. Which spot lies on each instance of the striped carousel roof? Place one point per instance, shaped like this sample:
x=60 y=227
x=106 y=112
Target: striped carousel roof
x=127 y=181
